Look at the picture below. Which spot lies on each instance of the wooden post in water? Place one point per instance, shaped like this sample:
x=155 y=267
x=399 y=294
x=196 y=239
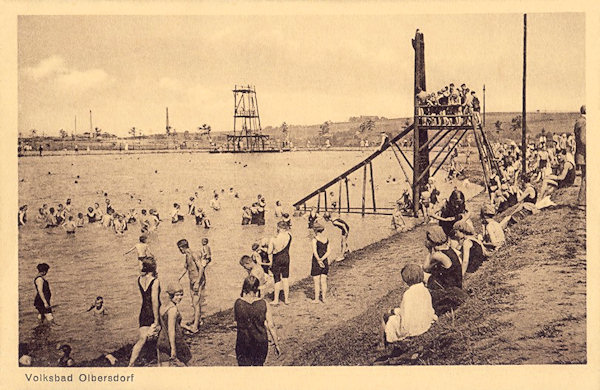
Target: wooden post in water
x=372 y=187
x=340 y=199
x=524 y=116
x=318 y=202
x=347 y=193
x=364 y=188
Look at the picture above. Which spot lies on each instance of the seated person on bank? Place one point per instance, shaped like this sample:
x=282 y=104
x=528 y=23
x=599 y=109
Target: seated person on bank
x=415 y=314
x=565 y=178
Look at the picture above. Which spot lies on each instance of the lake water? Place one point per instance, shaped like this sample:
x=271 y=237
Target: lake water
x=91 y=262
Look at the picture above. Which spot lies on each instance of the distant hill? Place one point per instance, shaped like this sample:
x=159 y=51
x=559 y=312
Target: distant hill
x=349 y=134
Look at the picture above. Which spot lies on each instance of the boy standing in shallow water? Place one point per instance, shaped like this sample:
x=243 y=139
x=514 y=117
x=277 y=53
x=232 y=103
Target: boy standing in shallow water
x=141 y=248
x=206 y=252
x=194 y=267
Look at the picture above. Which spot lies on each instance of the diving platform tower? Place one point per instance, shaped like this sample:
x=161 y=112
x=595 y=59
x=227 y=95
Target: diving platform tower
x=430 y=128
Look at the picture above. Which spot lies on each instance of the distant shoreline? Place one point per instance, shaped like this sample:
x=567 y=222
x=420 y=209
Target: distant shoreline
x=99 y=152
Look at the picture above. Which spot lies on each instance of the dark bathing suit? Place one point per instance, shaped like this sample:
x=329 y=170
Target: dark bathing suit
x=442 y=278
x=445 y=285
x=265 y=258
x=146 y=314
x=38 y=302
x=316 y=269
x=281 y=262
x=252 y=343
x=476 y=257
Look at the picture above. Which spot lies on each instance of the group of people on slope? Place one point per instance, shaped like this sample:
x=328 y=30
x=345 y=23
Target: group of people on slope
x=448 y=106
x=455 y=249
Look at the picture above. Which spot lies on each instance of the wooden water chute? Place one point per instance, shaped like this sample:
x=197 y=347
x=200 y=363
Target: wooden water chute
x=428 y=130
x=367 y=181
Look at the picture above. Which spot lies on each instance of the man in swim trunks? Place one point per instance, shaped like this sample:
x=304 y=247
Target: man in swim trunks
x=279 y=257
x=345 y=229
x=194 y=267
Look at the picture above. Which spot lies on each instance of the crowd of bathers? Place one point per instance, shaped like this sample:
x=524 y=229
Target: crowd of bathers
x=455 y=248
x=448 y=106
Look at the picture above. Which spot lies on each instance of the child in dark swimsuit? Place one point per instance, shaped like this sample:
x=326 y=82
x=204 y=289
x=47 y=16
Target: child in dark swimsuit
x=43 y=294
x=320 y=262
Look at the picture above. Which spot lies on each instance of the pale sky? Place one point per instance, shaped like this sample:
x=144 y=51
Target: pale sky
x=306 y=69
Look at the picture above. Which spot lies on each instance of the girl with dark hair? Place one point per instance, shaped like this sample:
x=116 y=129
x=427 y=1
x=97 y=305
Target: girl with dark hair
x=149 y=286
x=253 y=317
x=320 y=262
x=453 y=211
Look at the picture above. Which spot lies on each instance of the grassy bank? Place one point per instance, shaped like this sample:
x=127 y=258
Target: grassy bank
x=527 y=306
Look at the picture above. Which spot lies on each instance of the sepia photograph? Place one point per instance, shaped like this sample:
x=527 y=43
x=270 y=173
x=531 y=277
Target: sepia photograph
x=298 y=190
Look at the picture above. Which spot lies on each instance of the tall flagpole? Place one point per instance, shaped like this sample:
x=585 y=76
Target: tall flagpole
x=524 y=115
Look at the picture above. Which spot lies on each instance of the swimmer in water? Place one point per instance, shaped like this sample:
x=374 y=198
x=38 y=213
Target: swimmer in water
x=70 y=226
x=107 y=219
x=192 y=206
x=246 y=215
x=278 y=209
x=98 y=212
x=80 y=220
x=98 y=307
x=176 y=214
x=214 y=203
x=51 y=218
x=119 y=224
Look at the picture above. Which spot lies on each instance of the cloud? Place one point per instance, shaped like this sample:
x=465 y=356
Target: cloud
x=54 y=70
x=83 y=80
x=47 y=68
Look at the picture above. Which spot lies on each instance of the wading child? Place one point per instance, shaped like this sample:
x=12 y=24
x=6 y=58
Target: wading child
x=43 y=294
x=98 y=307
x=80 y=220
x=246 y=215
x=175 y=214
x=205 y=251
x=141 y=248
x=70 y=226
x=415 y=314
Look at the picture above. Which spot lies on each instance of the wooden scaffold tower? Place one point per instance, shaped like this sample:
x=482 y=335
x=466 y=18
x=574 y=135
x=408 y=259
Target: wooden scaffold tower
x=247 y=132
x=429 y=129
